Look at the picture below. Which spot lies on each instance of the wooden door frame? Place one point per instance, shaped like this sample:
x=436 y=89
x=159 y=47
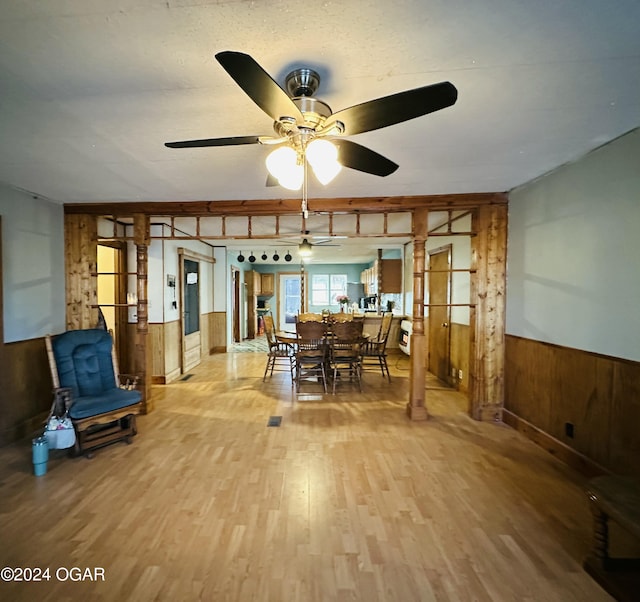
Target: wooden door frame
x=236 y=335
x=182 y=255
x=120 y=299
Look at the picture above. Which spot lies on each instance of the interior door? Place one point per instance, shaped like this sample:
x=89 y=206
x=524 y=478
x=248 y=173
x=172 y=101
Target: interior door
x=190 y=280
x=439 y=357
x=289 y=301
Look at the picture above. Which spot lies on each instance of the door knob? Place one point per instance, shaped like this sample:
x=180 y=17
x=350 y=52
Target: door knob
x=445 y=325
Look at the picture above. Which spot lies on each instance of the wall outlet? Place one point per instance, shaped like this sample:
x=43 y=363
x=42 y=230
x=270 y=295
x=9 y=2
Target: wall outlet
x=453 y=372
x=460 y=374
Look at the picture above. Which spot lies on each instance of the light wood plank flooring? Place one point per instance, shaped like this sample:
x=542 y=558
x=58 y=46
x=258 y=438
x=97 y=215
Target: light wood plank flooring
x=346 y=500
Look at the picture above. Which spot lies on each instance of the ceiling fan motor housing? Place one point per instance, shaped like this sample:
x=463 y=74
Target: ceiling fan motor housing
x=302 y=82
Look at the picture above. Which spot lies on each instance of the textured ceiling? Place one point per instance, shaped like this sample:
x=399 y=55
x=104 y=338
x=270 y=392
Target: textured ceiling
x=91 y=89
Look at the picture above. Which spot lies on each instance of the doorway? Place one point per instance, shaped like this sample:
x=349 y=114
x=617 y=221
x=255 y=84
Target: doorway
x=439 y=274
x=190 y=297
x=112 y=296
x=289 y=300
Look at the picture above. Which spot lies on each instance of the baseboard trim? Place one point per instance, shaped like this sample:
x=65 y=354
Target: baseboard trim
x=158 y=380
x=560 y=450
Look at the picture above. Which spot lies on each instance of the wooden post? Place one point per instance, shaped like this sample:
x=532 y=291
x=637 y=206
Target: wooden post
x=487 y=318
x=416 y=409
x=81 y=260
x=142 y=355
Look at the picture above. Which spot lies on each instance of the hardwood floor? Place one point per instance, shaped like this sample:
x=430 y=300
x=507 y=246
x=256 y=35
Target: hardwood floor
x=346 y=500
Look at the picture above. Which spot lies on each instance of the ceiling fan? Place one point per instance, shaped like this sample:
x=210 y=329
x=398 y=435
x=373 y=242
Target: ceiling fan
x=303 y=124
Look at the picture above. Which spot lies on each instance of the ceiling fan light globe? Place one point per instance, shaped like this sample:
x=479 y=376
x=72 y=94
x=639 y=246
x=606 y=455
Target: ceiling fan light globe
x=282 y=164
x=323 y=158
x=305 y=249
x=327 y=171
x=292 y=180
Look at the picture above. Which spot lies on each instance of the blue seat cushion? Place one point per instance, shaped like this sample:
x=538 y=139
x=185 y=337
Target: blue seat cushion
x=107 y=401
x=84 y=363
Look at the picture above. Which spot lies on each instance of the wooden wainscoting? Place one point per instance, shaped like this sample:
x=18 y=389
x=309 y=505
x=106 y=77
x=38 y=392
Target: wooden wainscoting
x=25 y=397
x=165 y=351
x=586 y=402
x=218 y=332
x=165 y=344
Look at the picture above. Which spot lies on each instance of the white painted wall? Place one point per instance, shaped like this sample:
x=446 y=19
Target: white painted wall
x=32 y=265
x=163 y=260
x=573 y=251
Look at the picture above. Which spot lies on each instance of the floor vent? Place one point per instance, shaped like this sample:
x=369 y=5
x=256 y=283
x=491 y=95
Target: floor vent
x=274 y=421
x=186 y=377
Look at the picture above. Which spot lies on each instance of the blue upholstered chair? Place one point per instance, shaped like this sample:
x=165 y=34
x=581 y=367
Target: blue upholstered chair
x=84 y=370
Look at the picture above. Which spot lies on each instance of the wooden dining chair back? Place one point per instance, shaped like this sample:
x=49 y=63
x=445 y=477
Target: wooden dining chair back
x=374 y=351
x=280 y=354
x=311 y=353
x=345 y=352
x=309 y=317
x=341 y=317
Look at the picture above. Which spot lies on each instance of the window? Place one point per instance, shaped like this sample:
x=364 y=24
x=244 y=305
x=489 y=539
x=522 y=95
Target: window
x=325 y=287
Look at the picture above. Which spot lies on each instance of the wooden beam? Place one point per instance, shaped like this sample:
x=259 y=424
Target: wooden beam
x=416 y=409
x=487 y=312
x=392 y=204
x=81 y=261
x=142 y=353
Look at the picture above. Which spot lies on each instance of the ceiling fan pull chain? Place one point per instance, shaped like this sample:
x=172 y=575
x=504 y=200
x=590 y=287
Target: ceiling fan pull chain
x=305 y=212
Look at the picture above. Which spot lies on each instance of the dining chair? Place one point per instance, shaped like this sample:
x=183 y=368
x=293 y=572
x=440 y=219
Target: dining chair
x=311 y=353
x=280 y=354
x=345 y=352
x=309 y=317
x=374 y=351
x=341 y=317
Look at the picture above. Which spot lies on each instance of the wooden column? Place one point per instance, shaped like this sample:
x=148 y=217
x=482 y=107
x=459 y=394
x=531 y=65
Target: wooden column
x=142 y=354
x=487 y=318
x=416 y=409
x=81 y=260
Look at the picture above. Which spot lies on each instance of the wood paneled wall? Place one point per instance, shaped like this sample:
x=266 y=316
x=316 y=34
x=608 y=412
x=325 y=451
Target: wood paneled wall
x=26 y=393
x=217 y=332
x=81 y=260
x=165 y=344
x=549 y=386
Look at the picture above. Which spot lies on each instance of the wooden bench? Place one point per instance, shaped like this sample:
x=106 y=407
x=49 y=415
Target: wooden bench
x=615 y=498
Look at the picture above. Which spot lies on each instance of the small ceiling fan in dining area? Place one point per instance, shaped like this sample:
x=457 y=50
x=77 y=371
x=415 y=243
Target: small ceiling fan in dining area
x=307 y=132
x=305 y=247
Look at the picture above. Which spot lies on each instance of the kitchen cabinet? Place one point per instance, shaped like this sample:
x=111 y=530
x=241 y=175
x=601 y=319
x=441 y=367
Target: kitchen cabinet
x=390 y=276
x=267 y=285
x=384 y=276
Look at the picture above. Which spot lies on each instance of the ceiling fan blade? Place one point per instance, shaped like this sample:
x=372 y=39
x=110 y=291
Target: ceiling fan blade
x=389 y=110
x=362 y=158
x=214 y=142
x=259 y=85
